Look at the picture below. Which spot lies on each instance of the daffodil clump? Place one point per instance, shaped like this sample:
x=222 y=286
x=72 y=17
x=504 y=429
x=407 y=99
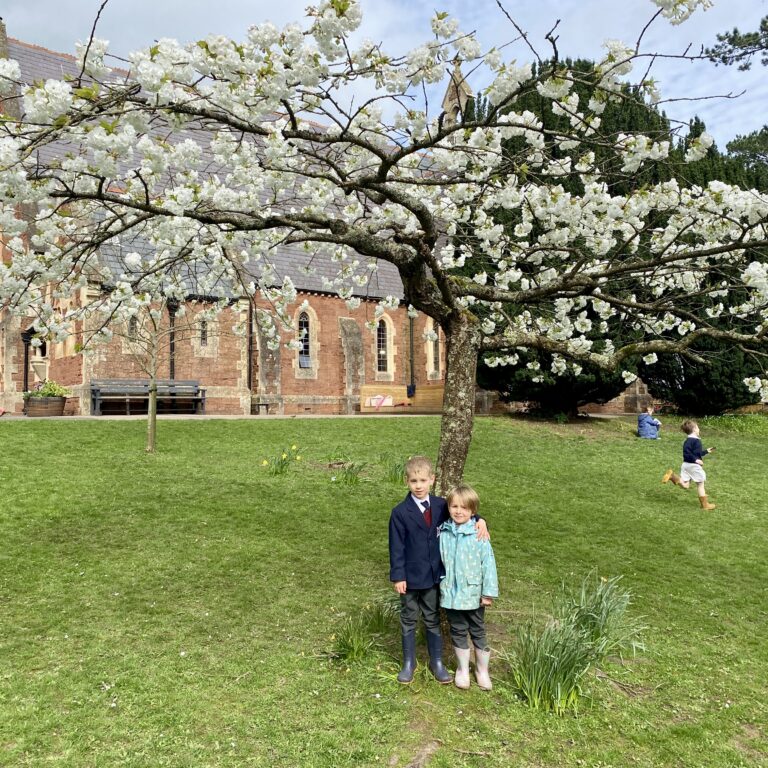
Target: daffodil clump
x=282 y=460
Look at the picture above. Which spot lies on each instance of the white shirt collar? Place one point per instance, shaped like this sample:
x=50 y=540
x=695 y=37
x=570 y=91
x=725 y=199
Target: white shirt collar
x=420 y=502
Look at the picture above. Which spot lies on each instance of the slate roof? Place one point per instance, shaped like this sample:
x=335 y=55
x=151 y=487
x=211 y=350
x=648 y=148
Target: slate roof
x=39 y=63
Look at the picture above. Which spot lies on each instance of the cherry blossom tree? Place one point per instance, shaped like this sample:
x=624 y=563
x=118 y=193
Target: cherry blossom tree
x=219 y=153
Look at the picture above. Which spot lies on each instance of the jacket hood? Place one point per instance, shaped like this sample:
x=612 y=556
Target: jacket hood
x=467 y=528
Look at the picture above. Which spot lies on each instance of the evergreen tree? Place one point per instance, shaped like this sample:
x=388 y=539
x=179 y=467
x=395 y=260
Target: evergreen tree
x=740 y=47
x=701 y=388
x=532 y=378
x=751 y=149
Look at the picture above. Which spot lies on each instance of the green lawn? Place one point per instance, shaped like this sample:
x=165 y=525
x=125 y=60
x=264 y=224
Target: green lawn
x=178 y=609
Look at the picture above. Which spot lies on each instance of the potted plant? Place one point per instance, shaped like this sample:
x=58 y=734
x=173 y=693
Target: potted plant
x=48 y=399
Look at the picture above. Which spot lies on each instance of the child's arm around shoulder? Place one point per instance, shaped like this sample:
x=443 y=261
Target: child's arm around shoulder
x=490 y=579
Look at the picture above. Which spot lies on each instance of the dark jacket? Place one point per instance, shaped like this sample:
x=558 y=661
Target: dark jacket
x=647 y=426
x=414 y=554
x=693 y=449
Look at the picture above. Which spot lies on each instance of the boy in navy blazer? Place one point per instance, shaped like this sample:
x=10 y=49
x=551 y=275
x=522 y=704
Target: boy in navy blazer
x=416 y=568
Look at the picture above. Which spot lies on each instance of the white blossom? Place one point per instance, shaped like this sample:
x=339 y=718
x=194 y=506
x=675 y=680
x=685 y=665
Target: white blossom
x=698 y=147
x=678 y=11
x=291 y=164
x=10 y=75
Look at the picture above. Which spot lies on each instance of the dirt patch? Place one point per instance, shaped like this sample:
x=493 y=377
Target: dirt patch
x=422 y=725
x=422 y=756
x=742 y=742
x=630 y=691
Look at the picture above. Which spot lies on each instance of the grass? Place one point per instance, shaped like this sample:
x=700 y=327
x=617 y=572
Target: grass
x=180 y=609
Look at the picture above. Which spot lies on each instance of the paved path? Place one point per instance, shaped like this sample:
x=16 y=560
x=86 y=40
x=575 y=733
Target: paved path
x=220 y=416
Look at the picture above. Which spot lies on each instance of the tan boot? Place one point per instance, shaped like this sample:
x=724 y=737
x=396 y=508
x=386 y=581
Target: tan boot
x=670 y=475
x=705 y=504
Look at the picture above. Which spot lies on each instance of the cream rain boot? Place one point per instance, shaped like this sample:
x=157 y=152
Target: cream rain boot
x=461 y=678
x=481 y=669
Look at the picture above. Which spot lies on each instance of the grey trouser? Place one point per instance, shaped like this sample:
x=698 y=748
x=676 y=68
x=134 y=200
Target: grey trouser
x=470 y=622
x=420 y=601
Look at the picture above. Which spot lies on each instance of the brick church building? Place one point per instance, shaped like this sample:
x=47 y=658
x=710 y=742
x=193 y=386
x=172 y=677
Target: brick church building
x=341 y=366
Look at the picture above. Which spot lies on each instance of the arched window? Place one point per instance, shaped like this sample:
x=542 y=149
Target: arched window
x=382 y=347
x=306 y=363
x=203 y=333
x=305 y=358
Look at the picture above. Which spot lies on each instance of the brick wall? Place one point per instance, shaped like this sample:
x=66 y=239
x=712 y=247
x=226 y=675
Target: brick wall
x=343 y=352
x=632 y=400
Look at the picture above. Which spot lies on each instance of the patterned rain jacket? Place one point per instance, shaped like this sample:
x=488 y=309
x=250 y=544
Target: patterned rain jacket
x=470 y=567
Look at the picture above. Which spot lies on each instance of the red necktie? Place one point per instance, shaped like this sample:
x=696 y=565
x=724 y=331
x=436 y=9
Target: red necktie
x=427 y=514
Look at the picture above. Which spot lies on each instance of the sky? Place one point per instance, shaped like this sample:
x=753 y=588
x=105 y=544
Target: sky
x=694 y=88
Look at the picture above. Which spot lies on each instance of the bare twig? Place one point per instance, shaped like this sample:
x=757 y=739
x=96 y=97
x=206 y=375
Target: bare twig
x=520 y=31
x=90 y=40
x=553 y=41
x=645 y=29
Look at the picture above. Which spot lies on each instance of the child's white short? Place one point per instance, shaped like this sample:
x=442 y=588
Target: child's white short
x=693 y=472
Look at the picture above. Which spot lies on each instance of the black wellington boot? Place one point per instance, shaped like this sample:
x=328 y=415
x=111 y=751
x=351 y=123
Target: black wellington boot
x=436 y=666
x=409 y=658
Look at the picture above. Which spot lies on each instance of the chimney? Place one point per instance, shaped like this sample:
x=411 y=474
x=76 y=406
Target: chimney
x=9 y=105
x=3 y=40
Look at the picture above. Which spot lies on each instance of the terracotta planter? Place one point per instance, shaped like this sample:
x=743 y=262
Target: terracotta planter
x=46 y=406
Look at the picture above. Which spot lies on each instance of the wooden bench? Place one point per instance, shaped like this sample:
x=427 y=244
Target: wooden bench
x=132 y=396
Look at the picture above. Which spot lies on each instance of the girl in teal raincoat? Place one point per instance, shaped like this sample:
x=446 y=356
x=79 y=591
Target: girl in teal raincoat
x=469 y=585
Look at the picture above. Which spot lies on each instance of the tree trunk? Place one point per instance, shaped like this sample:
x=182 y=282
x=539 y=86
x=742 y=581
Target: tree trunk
x=152 y=415
x=462 y=335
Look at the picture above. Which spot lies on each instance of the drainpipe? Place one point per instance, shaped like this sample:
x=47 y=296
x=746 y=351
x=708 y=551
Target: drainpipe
x=411 y=389
x=172 y=305
x=26 y=337
x=250 y=347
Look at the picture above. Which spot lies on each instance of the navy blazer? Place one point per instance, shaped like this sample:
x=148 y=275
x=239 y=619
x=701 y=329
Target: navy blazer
x=414 y=554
